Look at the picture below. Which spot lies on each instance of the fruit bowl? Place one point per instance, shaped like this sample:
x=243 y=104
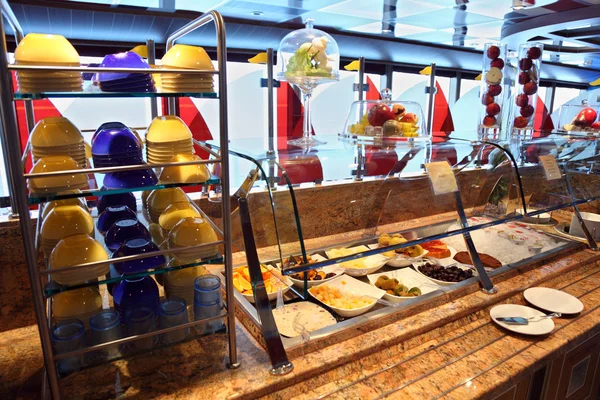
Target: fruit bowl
x=373 y=120
x=575 y=118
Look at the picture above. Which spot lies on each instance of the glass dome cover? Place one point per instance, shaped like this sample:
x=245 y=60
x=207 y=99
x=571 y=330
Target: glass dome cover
x=579 y=118
x=308 y=57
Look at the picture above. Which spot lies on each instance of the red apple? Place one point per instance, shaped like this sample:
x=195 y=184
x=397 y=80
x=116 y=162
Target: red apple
x=492 y=109
x=586 y=117
x=522 y=100
x=498 y=63
x=524 y=78
x=527 y=111
x=489 y=121
x=493 y=52
x=410 y=117
x=494 y=90
x=534 y=53
x=520 y=122
x=378 y=114
x=525 y=64
x=486 y=99
x=530 y=88
x=596 y=125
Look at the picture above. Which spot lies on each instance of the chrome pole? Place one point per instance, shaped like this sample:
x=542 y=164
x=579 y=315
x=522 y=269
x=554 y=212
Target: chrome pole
x=361 y=78
x=432 y=90
x=12 y=146
x=270 y=102
x=152 y=61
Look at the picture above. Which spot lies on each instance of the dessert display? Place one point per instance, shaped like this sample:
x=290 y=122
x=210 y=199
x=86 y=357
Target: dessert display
x=451 y=274
x=436 y=249
x=308 y=57
x=332 y=296
x=490 y=116
x=575 y=118
x=488 y=261
x=293 y=319
x=526 y=85
x=384 y=119
x=394 y=287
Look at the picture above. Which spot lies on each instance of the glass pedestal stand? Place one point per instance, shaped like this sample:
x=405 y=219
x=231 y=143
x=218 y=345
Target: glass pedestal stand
x=489 y=133
x=307 y=140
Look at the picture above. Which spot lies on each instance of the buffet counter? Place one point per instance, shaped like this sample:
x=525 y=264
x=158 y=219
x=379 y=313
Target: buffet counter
x=452 y=350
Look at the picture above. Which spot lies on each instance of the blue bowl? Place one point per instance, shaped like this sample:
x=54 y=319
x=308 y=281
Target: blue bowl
x=121 y=199
x=127 y=59
x=113 y=214
x=127 y=83
x=144 y=89
x=130 y=179
x=135 y=293
x=113 y=141
x=133 y=247
x=135 y=159
x=122 y=231
x=108 y=125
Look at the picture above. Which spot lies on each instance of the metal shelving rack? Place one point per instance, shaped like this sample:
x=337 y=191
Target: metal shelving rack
x=16 y=157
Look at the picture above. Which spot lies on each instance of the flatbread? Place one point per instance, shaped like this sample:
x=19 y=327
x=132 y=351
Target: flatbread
x=312 y=316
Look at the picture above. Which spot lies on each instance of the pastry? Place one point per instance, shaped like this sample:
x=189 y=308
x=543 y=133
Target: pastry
x=437 y=249
x=488 y=261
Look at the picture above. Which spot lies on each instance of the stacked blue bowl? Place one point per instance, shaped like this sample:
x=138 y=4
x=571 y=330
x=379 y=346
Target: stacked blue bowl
x=124 y=82
x=114 y=144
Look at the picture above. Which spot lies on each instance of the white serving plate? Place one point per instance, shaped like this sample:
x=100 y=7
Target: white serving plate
x=356 y=287
x=373 y=263
x=542 y=327
x=401 y=260
x=336 y=269
x=553 y=300
x=444 y=283
x=408 y=277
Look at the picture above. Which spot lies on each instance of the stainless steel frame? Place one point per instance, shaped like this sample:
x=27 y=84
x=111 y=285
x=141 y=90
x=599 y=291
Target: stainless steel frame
x=15 y=158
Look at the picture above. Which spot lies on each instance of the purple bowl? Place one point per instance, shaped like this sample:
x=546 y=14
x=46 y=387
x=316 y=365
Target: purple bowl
x=130 y=179
x=138 y=79
x=88 y=76
x=108 y=125
x=128 y=85
x=113 y=214
x=147 y=89
x=131 y=294
x=115 y=200
x=114 y=141
x=115 y=162
x=124 y=230
x=133 y=247
x=127 y=59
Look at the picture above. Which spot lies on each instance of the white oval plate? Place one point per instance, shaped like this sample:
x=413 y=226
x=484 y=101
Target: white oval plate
x=542 y=327
x=407 y=277
x=553 y=300
x=444 y=283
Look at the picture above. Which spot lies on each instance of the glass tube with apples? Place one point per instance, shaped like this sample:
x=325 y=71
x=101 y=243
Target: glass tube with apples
x=526 y=87
x=308 y=57
x=492 y=95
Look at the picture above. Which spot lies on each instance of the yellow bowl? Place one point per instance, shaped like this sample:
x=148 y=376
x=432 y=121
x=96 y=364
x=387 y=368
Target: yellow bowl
x=160 y=199
x=68 y=220
x=55 y=132
x=63 y=182
x=43 y=48
x=80 y=304
x=167 y=128
x=185 y=56
x=78 y=201
x=175 y=213
x=192 y=231
x=185 y=173
x=75 y=250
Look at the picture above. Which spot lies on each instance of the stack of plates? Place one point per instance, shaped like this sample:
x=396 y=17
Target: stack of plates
x=123 y=82
x=51 y=50
x=57 y=136
x=187 y=57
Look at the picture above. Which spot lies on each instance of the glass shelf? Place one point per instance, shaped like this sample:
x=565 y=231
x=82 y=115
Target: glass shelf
x=38 y=198
x=52 y=287
x=99 y=94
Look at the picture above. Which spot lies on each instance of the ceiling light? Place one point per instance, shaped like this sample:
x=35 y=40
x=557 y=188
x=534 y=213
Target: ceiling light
x=257 y=13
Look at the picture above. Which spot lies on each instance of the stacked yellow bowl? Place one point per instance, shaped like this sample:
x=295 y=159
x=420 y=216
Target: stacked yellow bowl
x=80 y=304
x=160 y=199
x=185 y=173
x=75 y=250
x=167 y=136
x=64 y=221
x=57 y=136
x=77 y=201
x=180 y=283
x=192 y=231
x=175 y=213
x=49 y=50
x=187 y=57
x=54 y=184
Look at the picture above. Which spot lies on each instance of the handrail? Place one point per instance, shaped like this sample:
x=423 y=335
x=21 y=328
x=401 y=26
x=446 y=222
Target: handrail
x=18 y=67
x=12 y=20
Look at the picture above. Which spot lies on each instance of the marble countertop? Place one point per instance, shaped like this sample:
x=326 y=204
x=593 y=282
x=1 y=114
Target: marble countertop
x=451 y=351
